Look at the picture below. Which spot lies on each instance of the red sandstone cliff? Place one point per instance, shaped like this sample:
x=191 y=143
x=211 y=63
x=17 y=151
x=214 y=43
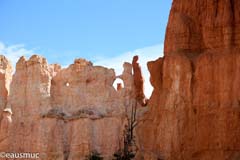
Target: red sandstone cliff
x=195 y=106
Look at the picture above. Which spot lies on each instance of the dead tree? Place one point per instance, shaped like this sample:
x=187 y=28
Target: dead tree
x=129 y=145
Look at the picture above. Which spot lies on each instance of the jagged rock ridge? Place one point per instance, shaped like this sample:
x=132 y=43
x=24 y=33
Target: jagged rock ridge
x=63 y=113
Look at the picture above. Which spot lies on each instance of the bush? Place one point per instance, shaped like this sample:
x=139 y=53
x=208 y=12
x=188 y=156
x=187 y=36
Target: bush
x=94 y=156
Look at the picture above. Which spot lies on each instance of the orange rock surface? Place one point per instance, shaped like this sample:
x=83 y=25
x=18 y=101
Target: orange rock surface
x=193 y=113
x=195 y=108
x=197 y=25
x=138 y=81
x=63 y=113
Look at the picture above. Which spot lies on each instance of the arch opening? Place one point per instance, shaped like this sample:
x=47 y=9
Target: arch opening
x=118 y=84
x=67 y=84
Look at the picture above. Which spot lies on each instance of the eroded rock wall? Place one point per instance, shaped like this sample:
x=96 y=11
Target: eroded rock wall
x=29 y=97
x=93 y=109
x=194 y=109
x=64 y=113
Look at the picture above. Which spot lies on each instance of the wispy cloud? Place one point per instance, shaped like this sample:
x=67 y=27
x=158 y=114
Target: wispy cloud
x=145 y=54
x=14 y=52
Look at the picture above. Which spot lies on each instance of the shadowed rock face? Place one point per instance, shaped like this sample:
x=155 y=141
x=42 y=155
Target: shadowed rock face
x=63 y=113
x=194 y=108
x=138 y=82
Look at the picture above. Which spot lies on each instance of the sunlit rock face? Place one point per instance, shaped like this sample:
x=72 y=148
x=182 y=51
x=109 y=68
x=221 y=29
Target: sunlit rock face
x=194 y=108
x=29 y=97
x=5 y=79
x=197 y=25
x=63 y=113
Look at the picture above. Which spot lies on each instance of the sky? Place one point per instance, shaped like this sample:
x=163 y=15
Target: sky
x=106 y=32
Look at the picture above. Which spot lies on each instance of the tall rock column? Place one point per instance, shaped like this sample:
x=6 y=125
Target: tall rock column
x=29 y=97
x=138 y=82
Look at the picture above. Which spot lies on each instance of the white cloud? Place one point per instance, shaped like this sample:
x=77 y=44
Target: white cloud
x=14 y=52
x=145 y=54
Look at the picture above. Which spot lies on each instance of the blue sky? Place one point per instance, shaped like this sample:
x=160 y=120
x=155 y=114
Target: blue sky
x=98 y=30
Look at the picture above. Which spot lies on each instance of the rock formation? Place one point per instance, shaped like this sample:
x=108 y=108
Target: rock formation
x=193 y=113
x=138 y=82
x=63 y=113
x=194 y=109
x=29 y=97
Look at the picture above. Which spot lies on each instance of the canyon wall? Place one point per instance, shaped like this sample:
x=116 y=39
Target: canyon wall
x=63 y=114
x=195 y=106
x=193 y=112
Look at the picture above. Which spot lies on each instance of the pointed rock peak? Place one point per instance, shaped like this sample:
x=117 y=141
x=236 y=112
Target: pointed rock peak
x=138 y=81
x=21 y=63
x=34 y=59
x=135 y=58
x=127 y=67
x=37 y=59
x=21 y=60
